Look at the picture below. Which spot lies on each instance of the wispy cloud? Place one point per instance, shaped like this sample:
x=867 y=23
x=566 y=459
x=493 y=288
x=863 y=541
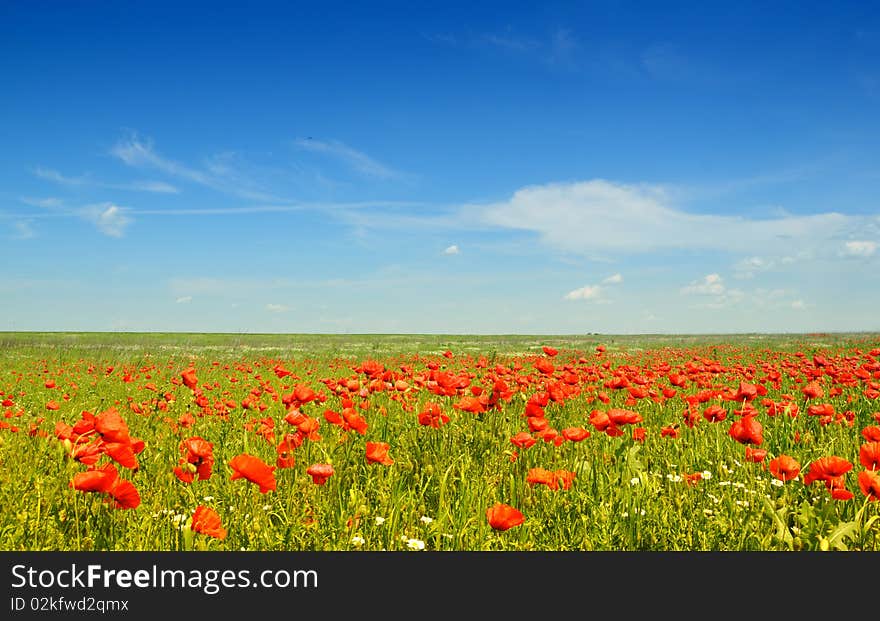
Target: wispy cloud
x=595 y=293
x=614 y=279
x=184 y=299
x=859 y=248
x=748 y=267
x=453 y=249
x=86 y=180
x=556 y=49
x=358 y=160
x=509 y=41
x=22 y=229
x=44 y=203
x=711 y=284
x=110 y=219
x=278 y=308
x=53 y=175
x=563 y=48
x=714 y=293
x=150 y=186
x=589 y=292
x=219 y=173
x=598 y=216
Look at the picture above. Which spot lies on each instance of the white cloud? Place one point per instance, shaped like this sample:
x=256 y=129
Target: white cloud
x=110 y=219
x=152 y=186
x=23 y=229
x=55 y=176
x=453 y=249
x=359 y=161
x=747 y=268
x=589 y=292
x=594 y=293
x=598 y=216
x=85 y=180
x=859 y=248
x=277 y=308
x=613 y=279
x=220 y=176
x=798 y=305
x=185 y=299
x=45 y=203
x=711 y=284
x=714 y=292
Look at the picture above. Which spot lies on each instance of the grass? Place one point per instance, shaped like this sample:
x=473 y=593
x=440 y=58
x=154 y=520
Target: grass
x=626 y=495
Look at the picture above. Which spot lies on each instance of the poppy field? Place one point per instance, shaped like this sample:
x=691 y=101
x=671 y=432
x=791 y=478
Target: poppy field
x=399 y=443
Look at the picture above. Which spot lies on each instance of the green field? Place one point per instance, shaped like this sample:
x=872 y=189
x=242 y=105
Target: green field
x=686 y=484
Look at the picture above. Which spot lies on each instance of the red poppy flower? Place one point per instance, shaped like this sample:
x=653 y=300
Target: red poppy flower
x=320 y=473
x=334 y=418
x=715 y=413
x=198 y=459
x=122 y=453
x=669 y=432
x=639 y=434
x=822 y=410
x=755 y=455
x=692 y=479
x=746 y=392
x=813 y=390
x=545 y=366
x=550 y=351
x=254 y=470
x=352 y=420
x=502 y=517
x=841 y=493
x=869 y=483
x=207 y=522
x=623 y=417
x=534 y=410
x=600 y=420
x=189 y=378
x=304 y=394
x=96 y=479
x=523 y=440
x=784 y=468
x=377 y=452
x=86 y=453
x=575 y=434
x=432 y=416
x=475 y=405
x=541 y=476
x=869 y=455
x=565 y=477
x=285 y=449
x=827 y=469
x=111 y=426
x=871 y=434
x=125 y=495
x=747 y=430
x=538 y=423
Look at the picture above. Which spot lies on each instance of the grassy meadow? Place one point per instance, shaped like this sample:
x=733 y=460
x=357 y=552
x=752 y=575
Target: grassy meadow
x=118 y=441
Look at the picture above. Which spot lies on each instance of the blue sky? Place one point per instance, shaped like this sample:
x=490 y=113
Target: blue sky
x=553 y=168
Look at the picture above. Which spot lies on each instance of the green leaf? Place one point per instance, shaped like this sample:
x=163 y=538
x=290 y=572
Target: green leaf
x=633 y=463
x=844 y=530
x=783 y=534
